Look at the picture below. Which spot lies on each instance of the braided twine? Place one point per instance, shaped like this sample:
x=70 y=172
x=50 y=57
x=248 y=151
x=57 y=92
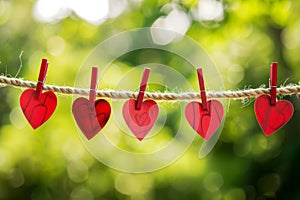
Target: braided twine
x=167 y=96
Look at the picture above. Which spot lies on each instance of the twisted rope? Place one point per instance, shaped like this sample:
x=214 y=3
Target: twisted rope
x=239 y=94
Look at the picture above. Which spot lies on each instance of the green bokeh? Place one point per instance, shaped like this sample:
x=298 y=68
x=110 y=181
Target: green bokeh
x=51 y=162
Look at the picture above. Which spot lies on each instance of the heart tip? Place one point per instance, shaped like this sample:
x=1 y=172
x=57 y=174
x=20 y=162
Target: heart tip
x=268 y=133
x=89 y=138
x=204 y=137
x=140 y=139
x=35 y=127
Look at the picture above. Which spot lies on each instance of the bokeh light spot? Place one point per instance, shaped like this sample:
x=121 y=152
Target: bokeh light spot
x=78 y=171
x=5 y=10
x=133 y=184
x=213 y=182
x=80 y=193
x=210 y=10
x=93 y=11
x=16 y=118
x=234 y=194
x=56 y=45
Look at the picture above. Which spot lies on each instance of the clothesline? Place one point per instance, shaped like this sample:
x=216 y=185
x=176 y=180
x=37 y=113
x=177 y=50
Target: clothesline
x=166 y=96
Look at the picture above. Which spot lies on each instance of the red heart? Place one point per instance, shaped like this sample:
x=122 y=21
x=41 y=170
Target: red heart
x=204 y=122
x=37 y=111
x=272 y=117
x=91 y=118
x=140 y=121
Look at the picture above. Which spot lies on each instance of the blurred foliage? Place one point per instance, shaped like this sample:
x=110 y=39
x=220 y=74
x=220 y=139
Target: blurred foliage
x=51 y=162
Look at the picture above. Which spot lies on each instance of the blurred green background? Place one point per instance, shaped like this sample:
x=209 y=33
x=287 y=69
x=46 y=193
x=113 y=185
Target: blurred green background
x=241 y=37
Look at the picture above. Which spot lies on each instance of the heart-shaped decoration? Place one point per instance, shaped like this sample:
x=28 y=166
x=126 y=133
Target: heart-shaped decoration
x=140 y=121
x=37 y=111
x=272 y=117
x=91 y=118
x=204 y=122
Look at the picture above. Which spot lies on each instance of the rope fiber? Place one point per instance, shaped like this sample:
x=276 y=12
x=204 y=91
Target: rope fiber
x=166 y=96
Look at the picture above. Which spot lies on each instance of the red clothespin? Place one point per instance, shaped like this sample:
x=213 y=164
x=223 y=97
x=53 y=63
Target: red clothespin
x=143 y=86
x=42 y=78
x=202 y=88
x=273 y=81
x=93 y=86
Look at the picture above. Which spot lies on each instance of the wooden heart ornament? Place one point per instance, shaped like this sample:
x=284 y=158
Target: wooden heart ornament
x=272 y=117
x=37 y=110
x=204 y=121
x=91 y=118
x=140 y=121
